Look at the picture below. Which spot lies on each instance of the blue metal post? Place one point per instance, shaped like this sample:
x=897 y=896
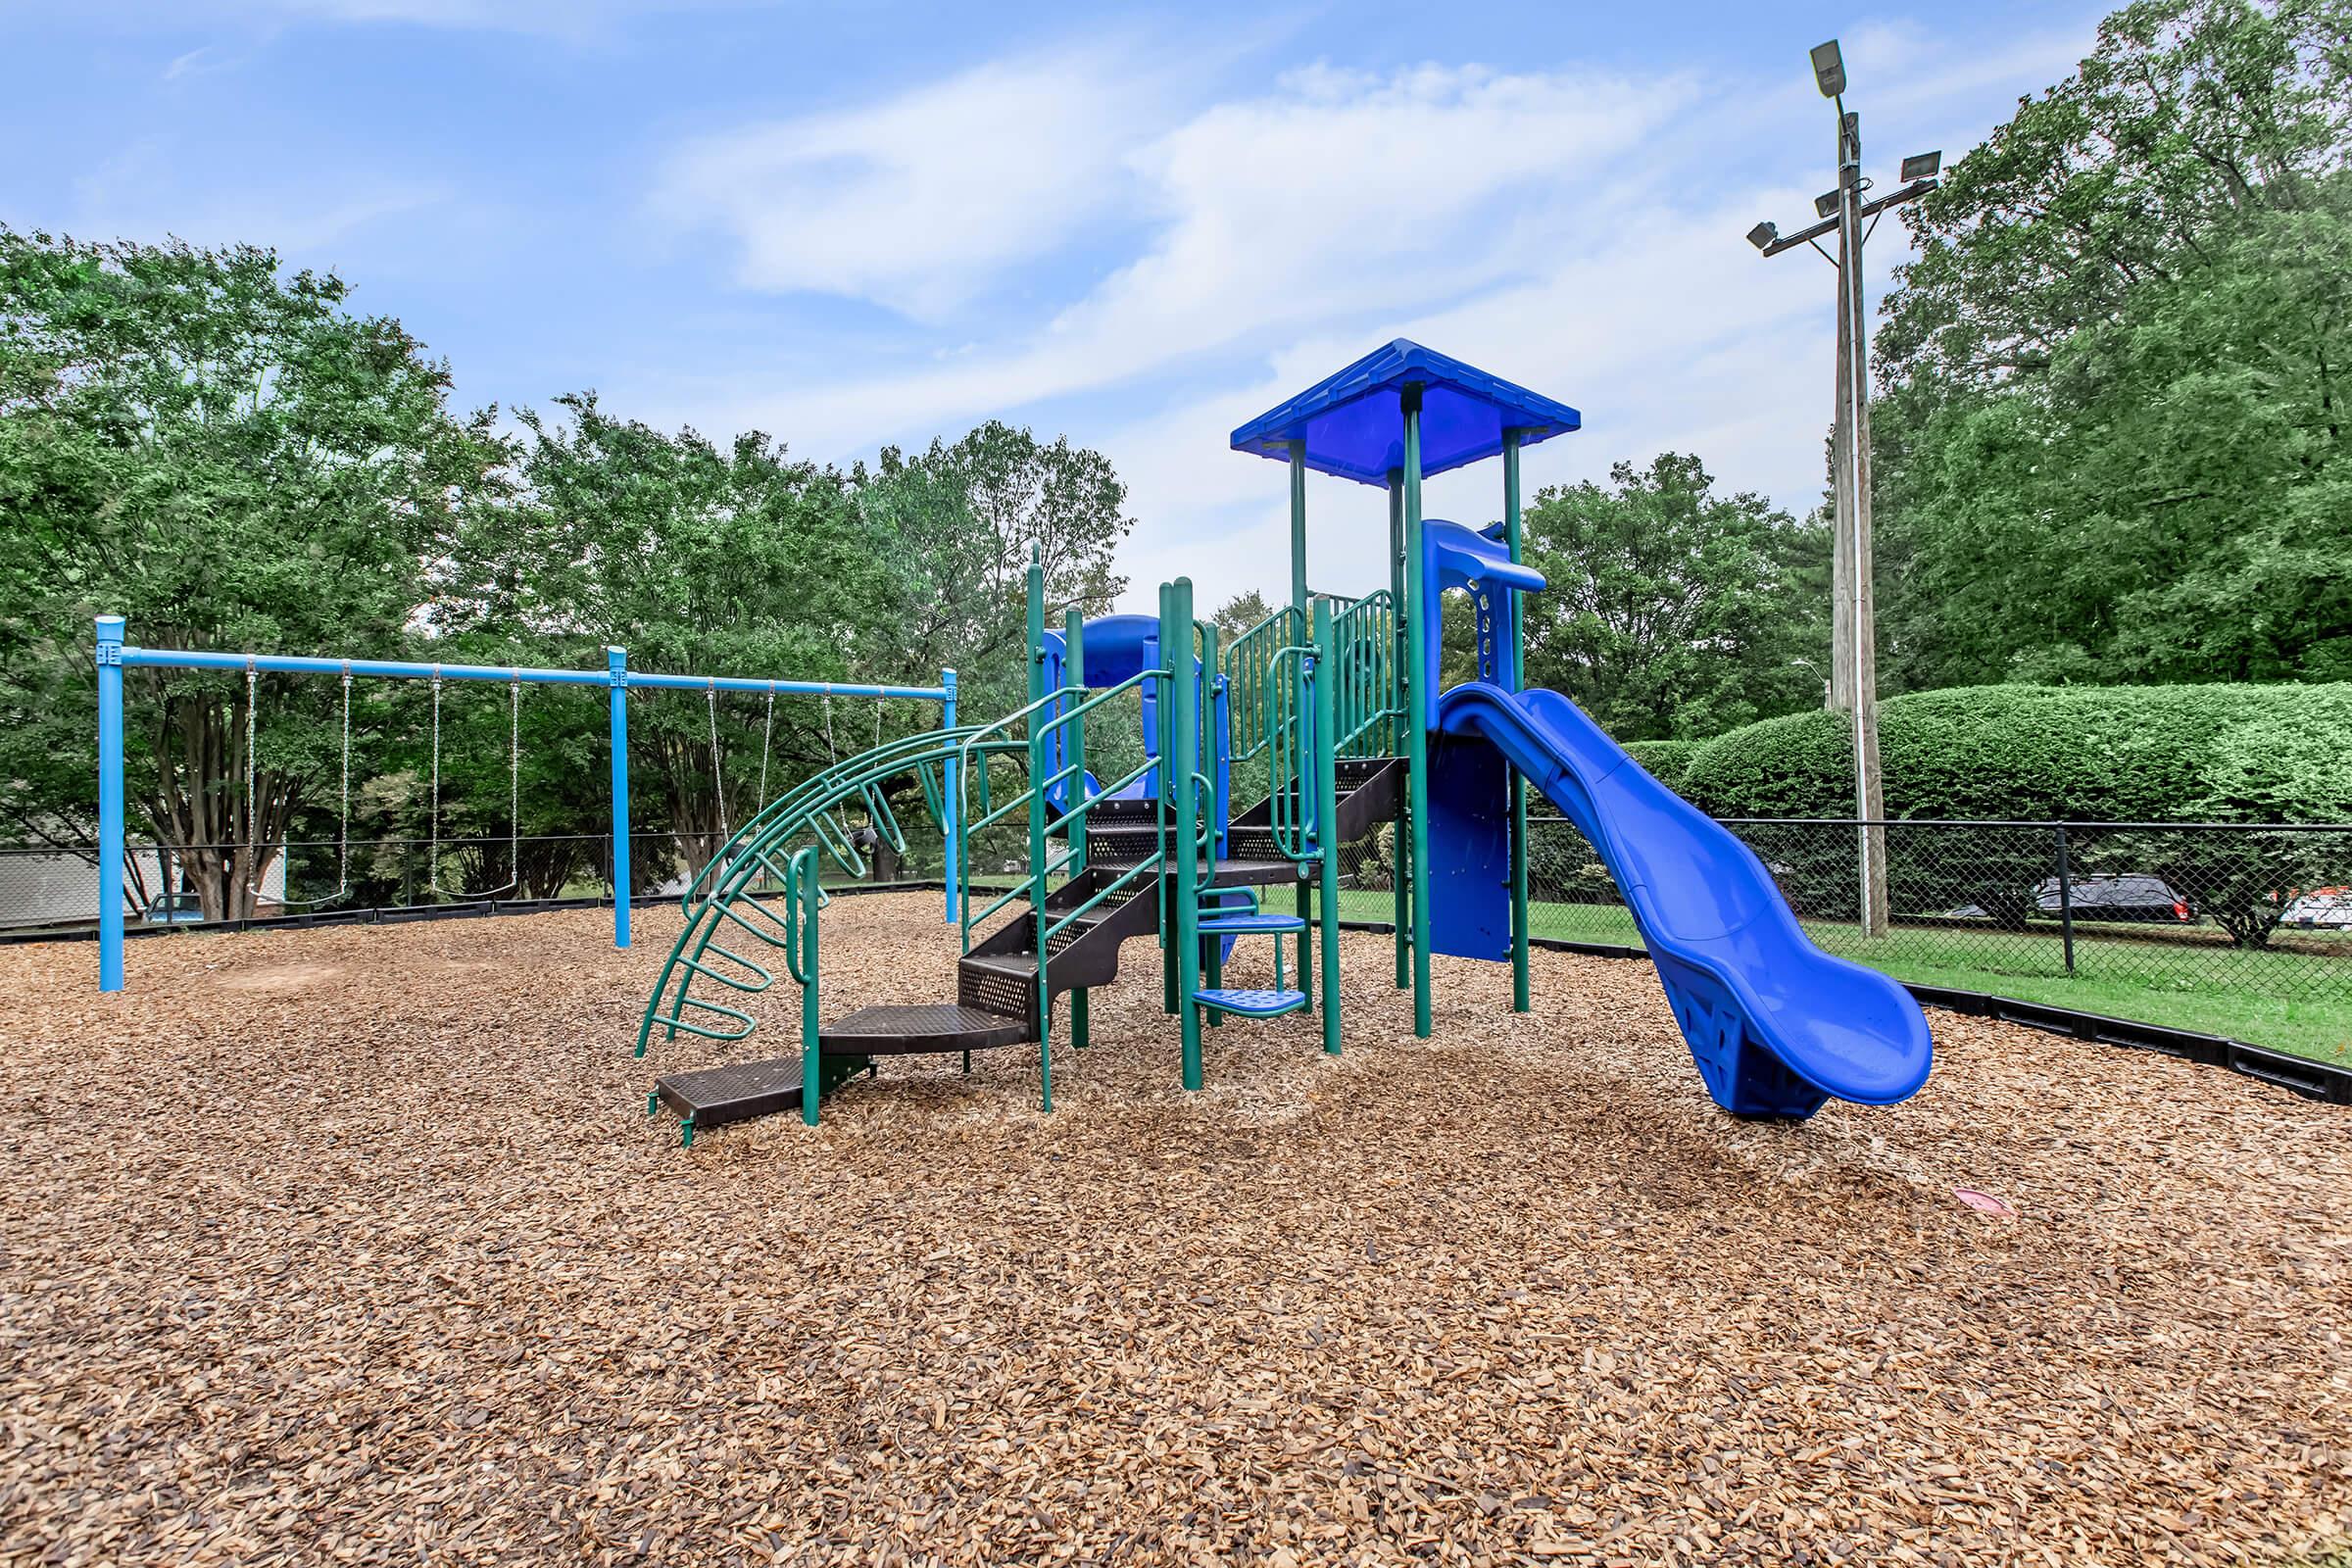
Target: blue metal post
x=617 y=663
x=949 y=779
x=110 y=802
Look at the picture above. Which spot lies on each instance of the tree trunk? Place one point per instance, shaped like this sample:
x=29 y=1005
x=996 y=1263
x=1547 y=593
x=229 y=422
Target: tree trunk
x=225 y=843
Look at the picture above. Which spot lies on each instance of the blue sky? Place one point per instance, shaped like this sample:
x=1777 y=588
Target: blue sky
x=855 y=224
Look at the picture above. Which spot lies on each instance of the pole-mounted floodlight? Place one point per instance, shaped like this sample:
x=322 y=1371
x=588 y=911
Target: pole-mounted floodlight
x=1829 y=69
x=1845 y=212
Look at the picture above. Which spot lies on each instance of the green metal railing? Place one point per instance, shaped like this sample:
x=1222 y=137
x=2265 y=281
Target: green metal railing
x=1289 y=743
x=1369 y=704
x=1258 y=699
x=725 y=893
x=1037 y=748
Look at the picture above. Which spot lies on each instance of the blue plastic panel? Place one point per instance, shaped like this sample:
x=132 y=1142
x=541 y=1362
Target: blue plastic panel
x=1354 y=423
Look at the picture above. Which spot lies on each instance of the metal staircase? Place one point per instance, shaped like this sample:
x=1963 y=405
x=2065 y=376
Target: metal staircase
x=1100 y=869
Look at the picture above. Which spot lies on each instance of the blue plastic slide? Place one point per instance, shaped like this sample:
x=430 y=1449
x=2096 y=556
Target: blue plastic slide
x=1776 y=1025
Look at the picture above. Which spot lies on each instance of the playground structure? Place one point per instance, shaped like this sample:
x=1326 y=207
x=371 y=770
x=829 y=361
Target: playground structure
x=1339 y=704
x=114 y=657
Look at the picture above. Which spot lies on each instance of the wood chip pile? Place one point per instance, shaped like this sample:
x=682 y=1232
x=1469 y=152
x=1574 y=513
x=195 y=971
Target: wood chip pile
x=358 y=1245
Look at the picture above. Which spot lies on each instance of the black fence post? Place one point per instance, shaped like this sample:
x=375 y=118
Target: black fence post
x=2066 y=901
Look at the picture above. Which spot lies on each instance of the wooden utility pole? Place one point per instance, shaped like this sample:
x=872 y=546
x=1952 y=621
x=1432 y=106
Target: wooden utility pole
x=1855 y=620
x=1853 y=684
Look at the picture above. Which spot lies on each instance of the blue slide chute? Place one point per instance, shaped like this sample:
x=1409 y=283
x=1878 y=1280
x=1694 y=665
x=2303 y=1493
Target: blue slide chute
x=1776 y=1025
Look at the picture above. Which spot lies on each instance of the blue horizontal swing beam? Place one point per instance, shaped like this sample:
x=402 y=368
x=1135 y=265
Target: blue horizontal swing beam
x=407 y=669
x=115 y=655
x=1352 y=424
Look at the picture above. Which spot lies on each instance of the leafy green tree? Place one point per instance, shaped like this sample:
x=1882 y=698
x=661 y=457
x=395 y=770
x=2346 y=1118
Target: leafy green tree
x=960 y=520
x=226 y=457
x=1239 y=614
x=1672 y=611
x=735 y=560
x=2113 y=443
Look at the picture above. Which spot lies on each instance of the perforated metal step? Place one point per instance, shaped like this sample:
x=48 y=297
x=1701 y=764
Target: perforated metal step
x=931 y=1027
x=714 y=1097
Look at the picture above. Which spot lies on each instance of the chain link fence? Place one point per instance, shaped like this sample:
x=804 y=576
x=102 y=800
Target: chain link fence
x=2224 y=929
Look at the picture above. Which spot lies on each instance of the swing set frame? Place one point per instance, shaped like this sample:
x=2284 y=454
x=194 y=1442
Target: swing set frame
x=115 y=655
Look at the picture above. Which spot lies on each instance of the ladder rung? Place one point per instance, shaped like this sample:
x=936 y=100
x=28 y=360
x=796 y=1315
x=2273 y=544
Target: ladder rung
x=731 y=982
x=678 y=1021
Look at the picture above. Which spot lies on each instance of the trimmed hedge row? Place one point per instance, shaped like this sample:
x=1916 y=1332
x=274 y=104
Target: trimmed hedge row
x=2108 y=753
x=2266 y=755
x=1664 y=760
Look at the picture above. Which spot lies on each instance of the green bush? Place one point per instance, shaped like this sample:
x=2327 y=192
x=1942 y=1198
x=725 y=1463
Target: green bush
x=2147 y=753
x=1664 y=760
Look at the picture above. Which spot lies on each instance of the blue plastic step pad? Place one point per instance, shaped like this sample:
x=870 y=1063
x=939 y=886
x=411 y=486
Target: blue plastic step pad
x=1246 y=926
x=1251 y=1004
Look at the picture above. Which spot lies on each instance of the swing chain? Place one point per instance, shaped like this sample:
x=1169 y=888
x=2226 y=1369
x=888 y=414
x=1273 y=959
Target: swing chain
x=718 y=782
x=767 y=730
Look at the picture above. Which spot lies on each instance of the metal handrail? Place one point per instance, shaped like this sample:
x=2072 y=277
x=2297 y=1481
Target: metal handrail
x=1365 y=651
x=751 y=851
x=1289 y=815
x=1063 y=711
x=1151 y=862
x=1250 y=663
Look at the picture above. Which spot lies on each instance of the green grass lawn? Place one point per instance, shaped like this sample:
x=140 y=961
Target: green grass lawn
x=2289 y=1000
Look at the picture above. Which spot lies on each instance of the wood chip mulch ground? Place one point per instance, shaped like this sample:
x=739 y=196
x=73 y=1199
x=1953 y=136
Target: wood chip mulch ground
x=356 y=1245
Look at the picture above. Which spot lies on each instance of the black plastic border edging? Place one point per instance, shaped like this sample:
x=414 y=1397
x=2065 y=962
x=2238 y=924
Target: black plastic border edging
x=2314 y=1080
x=398 y=915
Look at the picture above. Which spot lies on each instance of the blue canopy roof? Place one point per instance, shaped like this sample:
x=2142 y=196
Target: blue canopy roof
x=1354 y=424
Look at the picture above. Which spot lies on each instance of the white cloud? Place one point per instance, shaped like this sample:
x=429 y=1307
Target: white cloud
x=1336 y=196
x=1576 y=231
x=917 y=202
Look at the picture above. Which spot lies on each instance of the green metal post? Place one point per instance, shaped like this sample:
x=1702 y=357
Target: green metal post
x=1513 y=673
x=1326 y=812
x=1163 y=713
x=1073 y=636
x=1184 y=760
x=1418 y=698
x=802 y=901
x=1399 y=830
x=1212 y=956
x=1306 y=983
x=1037 y=825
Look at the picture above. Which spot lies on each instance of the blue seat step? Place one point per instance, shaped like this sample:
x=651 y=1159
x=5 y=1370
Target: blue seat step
x=1251 y=1004
x=1248 y=925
